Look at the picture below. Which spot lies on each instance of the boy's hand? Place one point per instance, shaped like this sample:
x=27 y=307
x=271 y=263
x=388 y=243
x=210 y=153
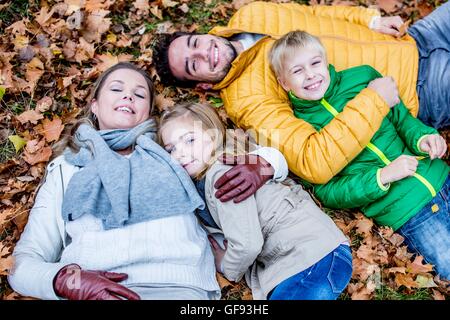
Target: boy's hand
x=434 y=145
x=402 y=167
x=387 y=89
x=218 y=252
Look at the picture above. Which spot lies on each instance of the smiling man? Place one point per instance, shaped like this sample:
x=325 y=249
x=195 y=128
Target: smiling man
x=234 y=60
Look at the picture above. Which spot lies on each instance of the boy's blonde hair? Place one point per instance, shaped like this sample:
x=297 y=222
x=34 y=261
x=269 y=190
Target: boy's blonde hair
x=287 y=46
x=225 y=141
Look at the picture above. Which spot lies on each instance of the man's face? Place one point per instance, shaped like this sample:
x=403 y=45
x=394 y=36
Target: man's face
x=202 y=58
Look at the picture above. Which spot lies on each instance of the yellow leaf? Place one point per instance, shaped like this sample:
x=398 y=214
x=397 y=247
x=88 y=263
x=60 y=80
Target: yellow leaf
x=18 y=142
x=112 y=38
x=425 y=282
x=2 y=92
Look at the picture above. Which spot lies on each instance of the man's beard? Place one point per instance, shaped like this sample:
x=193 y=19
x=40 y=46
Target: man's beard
x=232 y=55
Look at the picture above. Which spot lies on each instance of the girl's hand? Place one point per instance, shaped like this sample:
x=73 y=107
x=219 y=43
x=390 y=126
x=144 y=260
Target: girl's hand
x=218 y=252
x=434 y=145
x=402 y=167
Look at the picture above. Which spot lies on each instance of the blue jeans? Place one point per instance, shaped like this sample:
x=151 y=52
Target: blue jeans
x=432 y=35
x=324 y=280
x=428 y=232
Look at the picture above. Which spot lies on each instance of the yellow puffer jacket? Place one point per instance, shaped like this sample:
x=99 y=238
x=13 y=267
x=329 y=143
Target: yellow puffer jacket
x=254 y=100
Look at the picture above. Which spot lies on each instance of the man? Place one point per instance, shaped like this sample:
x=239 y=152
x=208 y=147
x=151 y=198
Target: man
x=234 y=59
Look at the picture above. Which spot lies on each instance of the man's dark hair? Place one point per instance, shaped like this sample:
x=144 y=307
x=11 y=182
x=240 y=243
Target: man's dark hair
x=161 y=60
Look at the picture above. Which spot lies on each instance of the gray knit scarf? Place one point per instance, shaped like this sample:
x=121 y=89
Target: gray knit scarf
x=125 y=190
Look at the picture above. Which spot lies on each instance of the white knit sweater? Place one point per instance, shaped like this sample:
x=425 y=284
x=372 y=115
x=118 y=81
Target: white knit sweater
x=172 y=251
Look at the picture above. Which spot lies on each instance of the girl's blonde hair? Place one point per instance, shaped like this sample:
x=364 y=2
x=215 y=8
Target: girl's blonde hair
x=88 y=117
x=225 y=140
x=289 y=45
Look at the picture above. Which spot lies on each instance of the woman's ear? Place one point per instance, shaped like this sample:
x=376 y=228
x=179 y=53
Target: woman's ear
x=94 y=106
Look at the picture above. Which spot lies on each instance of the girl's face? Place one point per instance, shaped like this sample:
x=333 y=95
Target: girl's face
x=123 y=102
x=306 y=74
x=188 y=144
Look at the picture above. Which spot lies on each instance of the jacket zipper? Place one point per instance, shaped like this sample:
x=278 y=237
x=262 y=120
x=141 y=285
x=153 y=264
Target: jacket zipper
x=380 y=153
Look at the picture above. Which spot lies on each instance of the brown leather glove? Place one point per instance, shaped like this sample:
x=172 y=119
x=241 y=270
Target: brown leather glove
x=73 y=283
x=250 y=173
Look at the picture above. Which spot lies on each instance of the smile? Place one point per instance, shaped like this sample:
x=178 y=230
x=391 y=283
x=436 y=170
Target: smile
x=213 y=56
x=313 y=86
x=125 y=109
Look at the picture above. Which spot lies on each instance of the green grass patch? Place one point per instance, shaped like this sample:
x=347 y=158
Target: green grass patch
x=386 y=293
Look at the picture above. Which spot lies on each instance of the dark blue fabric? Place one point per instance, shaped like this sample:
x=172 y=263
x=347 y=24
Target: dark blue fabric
x=324 y=280
x=432 y=35
x=203 y=214
x=428 y=232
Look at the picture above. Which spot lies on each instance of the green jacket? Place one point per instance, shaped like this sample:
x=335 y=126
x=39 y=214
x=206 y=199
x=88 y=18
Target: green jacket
x=358 y=184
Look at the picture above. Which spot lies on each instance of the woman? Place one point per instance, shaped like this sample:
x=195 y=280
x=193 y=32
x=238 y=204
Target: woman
x=104 y=224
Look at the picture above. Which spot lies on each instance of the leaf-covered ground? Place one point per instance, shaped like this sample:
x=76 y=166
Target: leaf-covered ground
x=51 y=51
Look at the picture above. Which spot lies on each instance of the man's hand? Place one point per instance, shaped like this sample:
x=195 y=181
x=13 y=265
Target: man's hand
x=388 y=25
x=387 y=89
x=73 y=283
x=434 y=145
x=250 y=173
x=218 y=252
x=402 y=167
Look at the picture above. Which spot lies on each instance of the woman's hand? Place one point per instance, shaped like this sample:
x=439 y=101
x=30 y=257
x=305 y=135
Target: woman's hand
x=434 y=145
x=73 y=283
x=218 y=252
x=389 y=25
x=402 y=167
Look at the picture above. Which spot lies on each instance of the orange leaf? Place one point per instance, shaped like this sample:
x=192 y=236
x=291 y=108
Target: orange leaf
x=108 y=60
x=36 y=152
x=405 y=280
x=223 y=282
x=389 y=6
x=31 y=115
x=52 y=129
x=418 y=267
x=6 y=265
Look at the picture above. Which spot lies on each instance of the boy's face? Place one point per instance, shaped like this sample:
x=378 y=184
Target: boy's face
x=306 y=74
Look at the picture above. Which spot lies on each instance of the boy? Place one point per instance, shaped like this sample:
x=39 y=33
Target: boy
x=398 y=178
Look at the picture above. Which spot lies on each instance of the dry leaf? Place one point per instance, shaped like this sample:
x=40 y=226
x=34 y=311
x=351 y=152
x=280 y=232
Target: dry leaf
x=44 y=104
x=405 y=280
x=389 y=6
x=52 y=129
x=141 y=5
x=418 y=267
x=437 y=295
x=31 y=115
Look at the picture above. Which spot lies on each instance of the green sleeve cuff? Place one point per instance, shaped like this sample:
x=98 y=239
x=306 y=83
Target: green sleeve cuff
x=419 y=141
x=382 y=186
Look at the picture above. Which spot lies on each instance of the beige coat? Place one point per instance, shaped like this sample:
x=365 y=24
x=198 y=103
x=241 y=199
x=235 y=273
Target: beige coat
x=272 y=235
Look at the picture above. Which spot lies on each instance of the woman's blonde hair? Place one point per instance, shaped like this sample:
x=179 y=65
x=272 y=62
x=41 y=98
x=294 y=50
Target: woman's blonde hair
x=225 y=140
x=287 y=46
x=88 y=117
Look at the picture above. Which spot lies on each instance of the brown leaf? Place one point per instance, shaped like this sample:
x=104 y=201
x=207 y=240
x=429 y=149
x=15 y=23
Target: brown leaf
x=364 y=225
x=359 y=291
x=156 y=12
x=6 y=264
x=36 y=152
x=389 y=6
x=223 y=282
x=437 y=295
x=141 y=5
x=405 y=280
x=44 y=104
x=96 y=24
x=31 y=115
x=52 y=129
x=108 y=60
x=162 y=102
x=44 y=16
x=418 y=267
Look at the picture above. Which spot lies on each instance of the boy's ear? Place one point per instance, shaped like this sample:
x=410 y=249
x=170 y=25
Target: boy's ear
x=283 y=83
x=204 y=86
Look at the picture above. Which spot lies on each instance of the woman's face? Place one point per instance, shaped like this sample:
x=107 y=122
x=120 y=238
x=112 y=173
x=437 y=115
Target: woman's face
x=123 y=102
x=188 y=144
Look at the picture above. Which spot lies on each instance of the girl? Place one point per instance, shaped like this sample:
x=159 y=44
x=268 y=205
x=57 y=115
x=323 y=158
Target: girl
x=283 y=243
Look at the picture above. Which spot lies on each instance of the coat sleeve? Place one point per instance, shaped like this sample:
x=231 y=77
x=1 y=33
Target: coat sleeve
x=352 y=191
x=240 y=224
x=40 y=246
x=353 y=14
x=315 y=156
x=410 y=129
